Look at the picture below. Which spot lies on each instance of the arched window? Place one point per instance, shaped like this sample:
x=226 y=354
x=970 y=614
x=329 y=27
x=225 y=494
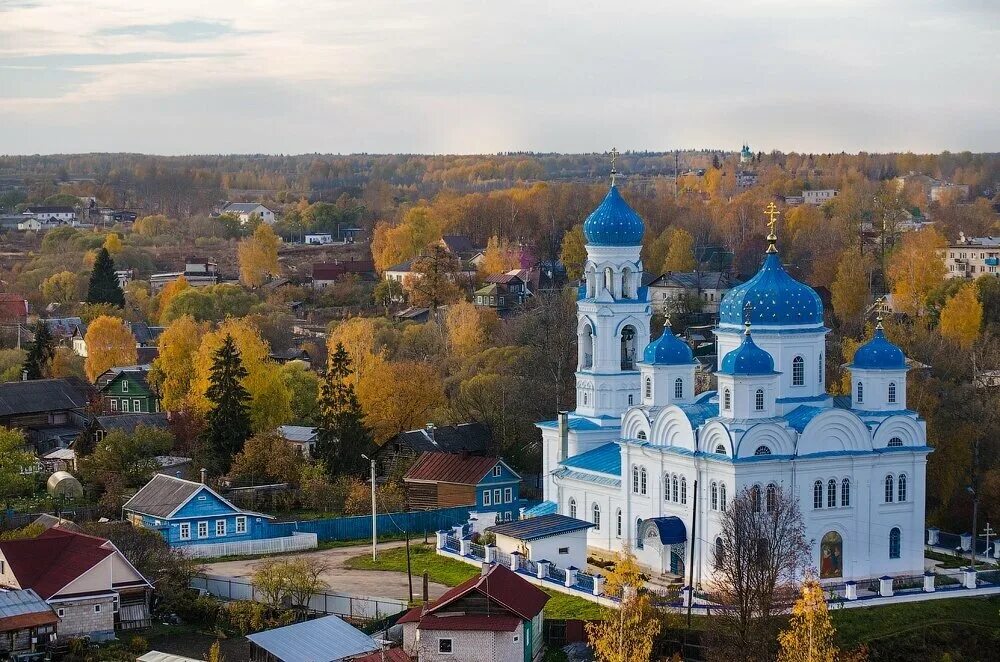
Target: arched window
x=762 y=450
x=642 y=481
x=892 y=393
x=635 y=479
x=584 y=397
x=845 y=492
x=818 y=494
x=618 y=523
x=684 y=490
x=722 y=495
x=831 y=494
x=630 y=402
x=715 y=496
x=727 y=399
x=720 y=449
x=609 y=280
x=720 y=553
x=597 y=517
x=901 y=488
x=894 y=542
x=572 y=508
x=758 y=402
x=861 y=392
x=798 y=371
x=895 y=441
x=666 y=487
x=888 y=489
x=755 y=498
x=626 y=283
x=673 y=489
x=641 y=435
x=678 y=388
x=638 y=533
x=772 y=497
x=649 y=387
x=628 y=341
x=819 y=369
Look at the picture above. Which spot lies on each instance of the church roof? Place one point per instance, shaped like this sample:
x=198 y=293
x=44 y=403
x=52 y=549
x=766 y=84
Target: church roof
x=774 y=298
x=613 y=223
x=605 y=459
x=879 y=354
x=699 y=412
x=747 y=360
x=799 y=417
x=668 y=349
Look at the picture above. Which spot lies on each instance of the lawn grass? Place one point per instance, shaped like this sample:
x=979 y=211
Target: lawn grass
x=443 y=570
x=866 y=624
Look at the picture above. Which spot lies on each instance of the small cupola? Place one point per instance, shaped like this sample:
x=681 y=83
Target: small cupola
x=878 y=374
x=748 y=381
x=667 y=370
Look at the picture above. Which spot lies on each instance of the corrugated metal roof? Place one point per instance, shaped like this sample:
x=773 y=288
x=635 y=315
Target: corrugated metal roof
x=540 y=527
x=325 y=639
x=298 y=433
x=17 y=603
x=162 y=495
x=700 y=412
x=157 y=656
x=543 y=508
x=450 y=468
x=605 y=459
x=129 y=422
x=39 y=395
x=597 y=479
x=575 y=423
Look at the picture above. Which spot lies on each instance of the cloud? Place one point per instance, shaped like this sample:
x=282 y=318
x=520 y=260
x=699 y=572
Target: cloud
x=179 y=31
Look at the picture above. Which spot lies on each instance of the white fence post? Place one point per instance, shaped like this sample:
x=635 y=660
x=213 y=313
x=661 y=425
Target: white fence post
x=598 y=584
x=570 y=576
x=515 y=561
x=932 y=536
x=969 y=577
x=966 y=543
x=928 y=582
x=489 y=553
x=543 y=569
x=885 y=586
x=464 y=544
x=441 y=537
x=996 y=549
x=851 y=590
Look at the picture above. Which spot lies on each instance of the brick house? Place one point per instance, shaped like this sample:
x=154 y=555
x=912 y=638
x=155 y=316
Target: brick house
x=495 y=616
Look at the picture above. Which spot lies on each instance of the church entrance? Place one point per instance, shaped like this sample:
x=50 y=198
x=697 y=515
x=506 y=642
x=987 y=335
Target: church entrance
x=676 y=564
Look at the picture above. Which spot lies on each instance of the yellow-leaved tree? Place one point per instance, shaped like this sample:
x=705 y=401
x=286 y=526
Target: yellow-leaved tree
x=110 y=343
x=626 y=633
x=499 y=257
x=850 y=288
x=469 y=328
x=174 y=368
x=573 y=254
x=113 y=243
x=962 y=316
x=916 y=269
x=258 y=256
x=169 y=291
x=680 y=256
x=270 y=399
x=809 y=637
x=358 y=336
x=61 y=287
x=399 y=396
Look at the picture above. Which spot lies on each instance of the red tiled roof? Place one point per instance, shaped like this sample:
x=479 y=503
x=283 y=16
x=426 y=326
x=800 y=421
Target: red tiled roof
x=52 y=560
x=412 y=616
x=479 y=622
x=451 y=468
x=501 y=585
x=391 y=655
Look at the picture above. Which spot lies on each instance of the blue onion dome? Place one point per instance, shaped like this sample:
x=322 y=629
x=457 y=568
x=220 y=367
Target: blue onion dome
x=748 y=359
x=614 y=223
x=668 y=349
x=771 y=298
x=879 y=354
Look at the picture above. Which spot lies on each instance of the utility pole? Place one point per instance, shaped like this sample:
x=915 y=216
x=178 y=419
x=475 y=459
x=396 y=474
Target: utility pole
x=374 y=525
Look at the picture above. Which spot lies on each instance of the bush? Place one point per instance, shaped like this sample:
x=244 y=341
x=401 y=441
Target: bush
x=201 y=610
x=138 y=645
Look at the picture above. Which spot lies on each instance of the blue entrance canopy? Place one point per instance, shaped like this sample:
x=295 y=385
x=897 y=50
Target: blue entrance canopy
x=671 y=529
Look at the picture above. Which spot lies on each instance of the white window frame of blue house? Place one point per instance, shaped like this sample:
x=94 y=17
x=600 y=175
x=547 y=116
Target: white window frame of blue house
x=220 y=528
x=241 y=524
x=497 y=470
x=486 y=497
x=203 y=526
x=185 y=531
x=508 y=494
x=497 y=496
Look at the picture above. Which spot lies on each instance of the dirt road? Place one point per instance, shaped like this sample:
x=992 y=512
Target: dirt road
x=360 y=583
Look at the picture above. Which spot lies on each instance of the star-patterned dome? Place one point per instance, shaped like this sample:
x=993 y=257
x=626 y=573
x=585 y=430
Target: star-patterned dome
x=774 y=298
x=747 y=360
x=614 y=223
x=879 y=354
x=668 y=349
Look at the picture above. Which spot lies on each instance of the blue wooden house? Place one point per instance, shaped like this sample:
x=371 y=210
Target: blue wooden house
x=444 y=480
x=190 y=513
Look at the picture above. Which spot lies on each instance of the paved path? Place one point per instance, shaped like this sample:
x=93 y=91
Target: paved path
x=358 y=583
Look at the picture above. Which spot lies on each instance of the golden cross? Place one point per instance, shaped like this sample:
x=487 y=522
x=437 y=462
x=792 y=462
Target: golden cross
x=772 y=211
x=614 y=162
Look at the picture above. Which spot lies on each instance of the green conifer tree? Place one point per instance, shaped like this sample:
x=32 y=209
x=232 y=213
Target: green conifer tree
x=41 y=353
x=228 y=422
x=342 y=434
x=104 y=287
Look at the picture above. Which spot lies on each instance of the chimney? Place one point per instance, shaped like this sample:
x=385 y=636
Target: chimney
x=204 y=474
x=563 y=435
x=429 y=430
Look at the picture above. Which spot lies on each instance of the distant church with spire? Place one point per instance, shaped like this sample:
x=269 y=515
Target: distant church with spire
x=642 y=444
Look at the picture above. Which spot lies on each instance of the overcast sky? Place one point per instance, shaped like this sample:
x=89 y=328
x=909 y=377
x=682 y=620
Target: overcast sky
x=471 y=76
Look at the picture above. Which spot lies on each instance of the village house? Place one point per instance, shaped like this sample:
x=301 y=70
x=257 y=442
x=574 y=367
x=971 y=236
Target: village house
x=328 y=273
x=673 y=287
x=126 y=389
x=819 y=196
x=198 y=272
x=495 y=616
x=13 y=309
x=247 y=210
x=90 y=584
x=51 y=412
x=102 y=426
x=971 y=257
x=53 y=215
x=502 y=293
x=326 y=639
x=300 y=437
x=559 y=539
x=402 y=450
x=27 y=623
x=443 y=480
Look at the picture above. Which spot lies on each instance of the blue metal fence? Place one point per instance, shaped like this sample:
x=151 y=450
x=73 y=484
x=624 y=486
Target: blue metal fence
x=585 y=582
x=417 y=522
x=557 y=574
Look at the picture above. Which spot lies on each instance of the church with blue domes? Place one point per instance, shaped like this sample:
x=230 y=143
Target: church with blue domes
x=642 y=443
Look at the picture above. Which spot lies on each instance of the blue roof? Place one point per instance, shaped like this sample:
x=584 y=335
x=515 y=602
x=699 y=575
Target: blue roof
x=605 y=459
x=748 y=359
x=668 y=349
x=575 y=423
x=322 y=640
x=543 y=508
x=879 y=354
x=700 y=412
x=799 y=417
x=613 y=223
x=540 y=527
x=776 y=299
x=671 y=529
